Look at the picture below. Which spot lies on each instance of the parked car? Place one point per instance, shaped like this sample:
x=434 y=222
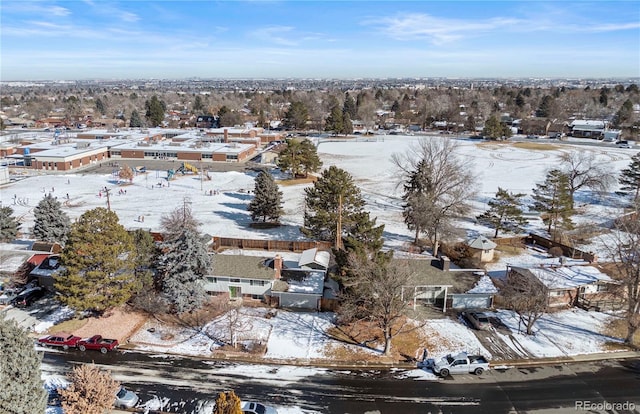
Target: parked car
x=61 y=340
x=532 y=137
x=249 y=407
x=8 y=295
x=125 y=398
x=459 y=364
x=28 y=296
x=98 y=343
x=478 y=320
x=623 y=144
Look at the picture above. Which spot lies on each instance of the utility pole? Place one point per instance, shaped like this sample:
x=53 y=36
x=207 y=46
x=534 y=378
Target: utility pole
x=108 y=193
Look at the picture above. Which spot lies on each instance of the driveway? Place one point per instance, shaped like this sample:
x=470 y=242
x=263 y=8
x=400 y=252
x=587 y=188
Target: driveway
x=500 y=342
x=38 y=312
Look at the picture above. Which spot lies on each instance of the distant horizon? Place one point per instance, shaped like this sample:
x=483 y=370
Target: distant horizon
x=61 y=40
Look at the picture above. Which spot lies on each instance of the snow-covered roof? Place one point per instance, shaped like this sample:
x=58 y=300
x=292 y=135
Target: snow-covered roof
x=483 y=243
x=312 y=282
x=567 y=277
x=314 y=256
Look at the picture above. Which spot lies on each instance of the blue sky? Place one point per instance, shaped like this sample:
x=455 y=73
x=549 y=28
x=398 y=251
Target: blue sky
x=317 y=39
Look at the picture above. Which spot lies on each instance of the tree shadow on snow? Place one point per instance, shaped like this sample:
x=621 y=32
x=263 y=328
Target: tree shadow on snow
x=239 y=196
x=236 y=206
x=242 y=219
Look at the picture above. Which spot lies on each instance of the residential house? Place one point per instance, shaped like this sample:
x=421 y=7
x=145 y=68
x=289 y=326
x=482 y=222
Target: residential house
x=45 y=271
x=588 y=128
x=298 y=282
x=571 y=285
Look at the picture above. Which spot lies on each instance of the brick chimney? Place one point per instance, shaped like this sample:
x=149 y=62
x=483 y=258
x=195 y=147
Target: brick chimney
x=277 y=266
x=226 y=135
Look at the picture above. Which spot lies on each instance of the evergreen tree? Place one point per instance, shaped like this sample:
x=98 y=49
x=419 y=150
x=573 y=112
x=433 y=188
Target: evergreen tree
x=630 y=177
x=296 y=116
x=347 y=125
x=100 y=106
x=299 y=157
x=416 y=198
x=182 y=265
x=553 y=199
x=504 y=212
x=198 y=105
x=20 y=375
x=155 y=110
x=334 y=208
x=495 y=129
x=135 y=121
x=349 y=107
x=228 y=403
x=624 y=114
x=547 y=107
x=335 y=121
x=99 y=261
x=51 y=223
x=9 y=225
x=267 y=202
x=91 y=391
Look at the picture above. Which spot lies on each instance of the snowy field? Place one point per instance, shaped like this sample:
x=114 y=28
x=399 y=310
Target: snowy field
x=224 y=213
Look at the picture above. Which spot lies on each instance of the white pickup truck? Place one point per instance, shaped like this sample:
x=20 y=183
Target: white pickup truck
x=459 y=364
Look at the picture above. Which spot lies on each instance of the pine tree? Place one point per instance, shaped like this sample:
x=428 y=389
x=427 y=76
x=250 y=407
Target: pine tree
x=228 y=403
x=91 y=391
x=98 y=260
x=416 y=197
x=20 y=376
x=135 y=121
x=349 y=107
x=630 y=177
x=296 y=116
x=553 y=199
x=494 y=129
x=51 y=223
x=267 y=202
x=299 y=157
x=504 y=212
x=335 y=121
x=182 y=266
x=155 y=111
x=332 y=206
x=9 y=225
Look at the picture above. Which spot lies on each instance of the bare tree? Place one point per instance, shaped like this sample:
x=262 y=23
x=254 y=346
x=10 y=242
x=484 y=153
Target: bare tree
x=92 y=391
x=374 y=295
x=584 y=171
x=126 y=173
x=237 y=324
x=180 y=219
x=625 y=253
x=526 y=295
x=444 y=185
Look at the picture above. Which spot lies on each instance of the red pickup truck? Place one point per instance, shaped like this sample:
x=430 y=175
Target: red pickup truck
x=98 y=343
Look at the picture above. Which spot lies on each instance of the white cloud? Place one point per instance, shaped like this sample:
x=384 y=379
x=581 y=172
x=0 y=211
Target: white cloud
x=275 y=34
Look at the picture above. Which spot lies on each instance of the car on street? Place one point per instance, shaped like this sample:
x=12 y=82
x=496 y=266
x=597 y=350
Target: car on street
x=478 y=320
x=623 y=144
x=125 y=398
x=459 y=364
x=98 y=343
x=250 y=407
x=60 y=340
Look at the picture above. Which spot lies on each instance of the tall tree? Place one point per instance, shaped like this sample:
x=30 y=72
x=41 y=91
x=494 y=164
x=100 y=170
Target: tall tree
x=349 y=106
x=494 y=129
x=9 y=225
x=375 y=294
x=51 y=223
x=155 y=109
x=334 y=208
x=584 y=171
x=553 y=199
x=527 y=296
x=335 y=120
x=101 y=107
x=182 y=265
x=296 y=116
x=179 y=219
x=446 y=184
x=20 y=374
x=300 y=157
x=91 y=391
x=198 y=105
x=228 y=403
x=505 y=212
x=135 y=121
x=625 y=252
x=267 y=201
x=98 y=262
x=630 y=177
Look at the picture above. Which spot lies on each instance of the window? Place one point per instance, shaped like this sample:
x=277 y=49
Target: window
x=602 y=288
x=116 y=152
x=212 y=279
x=557 y=293
x=234 y=280
x=232 y=157
x=257 y=297
x=257 y=282
x=207 y=156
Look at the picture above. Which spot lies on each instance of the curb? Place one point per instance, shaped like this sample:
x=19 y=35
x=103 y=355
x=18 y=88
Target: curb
x=498 y=364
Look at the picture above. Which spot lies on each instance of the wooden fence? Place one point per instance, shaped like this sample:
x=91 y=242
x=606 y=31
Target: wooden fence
x=270 y=245
x=534 y=239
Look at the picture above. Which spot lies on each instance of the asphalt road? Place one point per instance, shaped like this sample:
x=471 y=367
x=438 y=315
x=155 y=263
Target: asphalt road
x=187 y=383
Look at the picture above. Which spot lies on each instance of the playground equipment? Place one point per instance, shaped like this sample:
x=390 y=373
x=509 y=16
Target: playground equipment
x=182 y=169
